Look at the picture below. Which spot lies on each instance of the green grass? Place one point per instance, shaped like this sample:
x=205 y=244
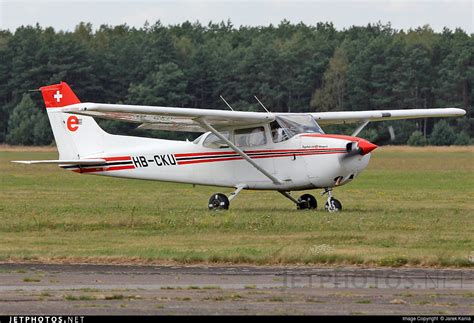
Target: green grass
x=410 y=207
x=80 y=298
x=364 y=301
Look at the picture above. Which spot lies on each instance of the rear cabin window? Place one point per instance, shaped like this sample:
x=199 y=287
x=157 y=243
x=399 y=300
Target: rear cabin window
x=212 y=141
x=250 y=137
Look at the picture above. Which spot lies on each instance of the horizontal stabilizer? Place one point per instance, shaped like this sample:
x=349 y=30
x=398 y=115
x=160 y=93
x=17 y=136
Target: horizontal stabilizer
x=62 y=162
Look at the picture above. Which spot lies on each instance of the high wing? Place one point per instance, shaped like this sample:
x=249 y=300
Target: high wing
x=187 y=119
x=167 y=118
x=202 y=120
x=324 y=118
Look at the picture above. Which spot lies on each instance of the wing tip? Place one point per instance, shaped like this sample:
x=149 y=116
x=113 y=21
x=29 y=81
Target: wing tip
x=460 y=112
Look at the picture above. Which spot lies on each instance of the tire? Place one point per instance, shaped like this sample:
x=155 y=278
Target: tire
x=307 y=201
x=218 y=201
x=337 y=205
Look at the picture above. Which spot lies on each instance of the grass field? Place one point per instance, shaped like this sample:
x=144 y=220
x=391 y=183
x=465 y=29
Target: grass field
x=412 y=206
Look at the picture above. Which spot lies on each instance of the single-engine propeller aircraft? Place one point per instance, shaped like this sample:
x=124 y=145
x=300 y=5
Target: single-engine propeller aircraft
x=283 y=152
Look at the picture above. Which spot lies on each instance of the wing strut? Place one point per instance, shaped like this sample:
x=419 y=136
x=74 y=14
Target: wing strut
x=360 y=128
x=239 y=151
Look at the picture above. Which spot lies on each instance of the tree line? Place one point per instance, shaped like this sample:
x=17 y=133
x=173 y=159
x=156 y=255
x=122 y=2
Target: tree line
x=290 y=67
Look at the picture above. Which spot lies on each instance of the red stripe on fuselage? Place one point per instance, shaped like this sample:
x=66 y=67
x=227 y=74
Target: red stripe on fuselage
x=202 y=154
x=102 y=169
x=343 y=137
x=205 y=154
x=117 y=158
x=198 y=161
x=89 y=170
x=120 y=167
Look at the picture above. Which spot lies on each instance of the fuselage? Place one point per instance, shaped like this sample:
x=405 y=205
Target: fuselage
x=304 y=161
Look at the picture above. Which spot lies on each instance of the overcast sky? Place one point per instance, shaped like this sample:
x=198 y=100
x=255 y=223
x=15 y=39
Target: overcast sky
x=403 y=14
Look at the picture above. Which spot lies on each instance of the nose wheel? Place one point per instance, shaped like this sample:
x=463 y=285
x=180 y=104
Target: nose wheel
x=308 y=201
x=332 y=205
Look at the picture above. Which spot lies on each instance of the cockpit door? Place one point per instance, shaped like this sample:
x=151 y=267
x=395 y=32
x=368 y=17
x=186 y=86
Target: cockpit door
x=295 y=126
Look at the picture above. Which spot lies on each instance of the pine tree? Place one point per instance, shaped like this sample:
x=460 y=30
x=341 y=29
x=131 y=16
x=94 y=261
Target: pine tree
x=331 y=96
x=442 y=135
x=166 y=87
x=28 y=125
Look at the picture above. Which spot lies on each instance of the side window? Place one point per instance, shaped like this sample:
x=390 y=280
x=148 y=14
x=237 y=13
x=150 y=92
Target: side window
x=250 y=137
x=278 y=133
x=212 y=141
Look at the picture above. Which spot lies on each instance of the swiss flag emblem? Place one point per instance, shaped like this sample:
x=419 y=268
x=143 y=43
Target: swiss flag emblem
x=58 y=95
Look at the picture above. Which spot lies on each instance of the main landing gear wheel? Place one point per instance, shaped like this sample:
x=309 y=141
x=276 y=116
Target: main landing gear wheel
x=218 y=201
x=307 y=201
x=333 y=205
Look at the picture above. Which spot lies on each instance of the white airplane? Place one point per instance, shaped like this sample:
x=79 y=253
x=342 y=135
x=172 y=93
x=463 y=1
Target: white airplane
x=283 y=152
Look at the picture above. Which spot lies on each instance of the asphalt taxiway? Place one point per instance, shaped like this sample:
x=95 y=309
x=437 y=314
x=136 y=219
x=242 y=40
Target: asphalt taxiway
x=136 y=289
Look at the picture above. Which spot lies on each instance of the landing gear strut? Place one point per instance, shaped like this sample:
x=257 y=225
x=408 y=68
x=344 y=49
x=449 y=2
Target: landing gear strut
x=308 y=201
x=332 y=205
x=304 y=202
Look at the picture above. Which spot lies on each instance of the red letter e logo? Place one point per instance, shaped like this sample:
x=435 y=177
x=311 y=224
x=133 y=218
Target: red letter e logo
x=72 y=123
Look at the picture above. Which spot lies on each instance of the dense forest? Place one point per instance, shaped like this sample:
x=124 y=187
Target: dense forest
x=290 y=67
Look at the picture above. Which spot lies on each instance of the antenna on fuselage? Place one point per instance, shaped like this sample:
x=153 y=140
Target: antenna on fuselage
x=226 y=102
x=261 y=103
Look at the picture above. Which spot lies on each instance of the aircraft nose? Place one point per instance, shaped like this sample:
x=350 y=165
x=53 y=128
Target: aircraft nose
x=366 y=147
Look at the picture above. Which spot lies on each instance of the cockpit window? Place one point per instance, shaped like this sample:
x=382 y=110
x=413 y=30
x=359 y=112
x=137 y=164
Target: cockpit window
x=278 y=132
x=212 y=141
x=250 y=137
x=283 y=128
x=296 y=124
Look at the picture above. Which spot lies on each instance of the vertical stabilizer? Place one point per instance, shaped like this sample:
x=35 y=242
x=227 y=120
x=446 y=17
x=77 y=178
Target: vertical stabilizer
x=76 y=136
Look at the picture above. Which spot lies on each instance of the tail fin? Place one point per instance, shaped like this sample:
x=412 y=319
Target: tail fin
x=58 y=95
x=76 y=136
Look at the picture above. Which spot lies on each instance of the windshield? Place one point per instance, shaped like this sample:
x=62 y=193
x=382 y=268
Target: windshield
x=296 y=124
x=198 y=139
